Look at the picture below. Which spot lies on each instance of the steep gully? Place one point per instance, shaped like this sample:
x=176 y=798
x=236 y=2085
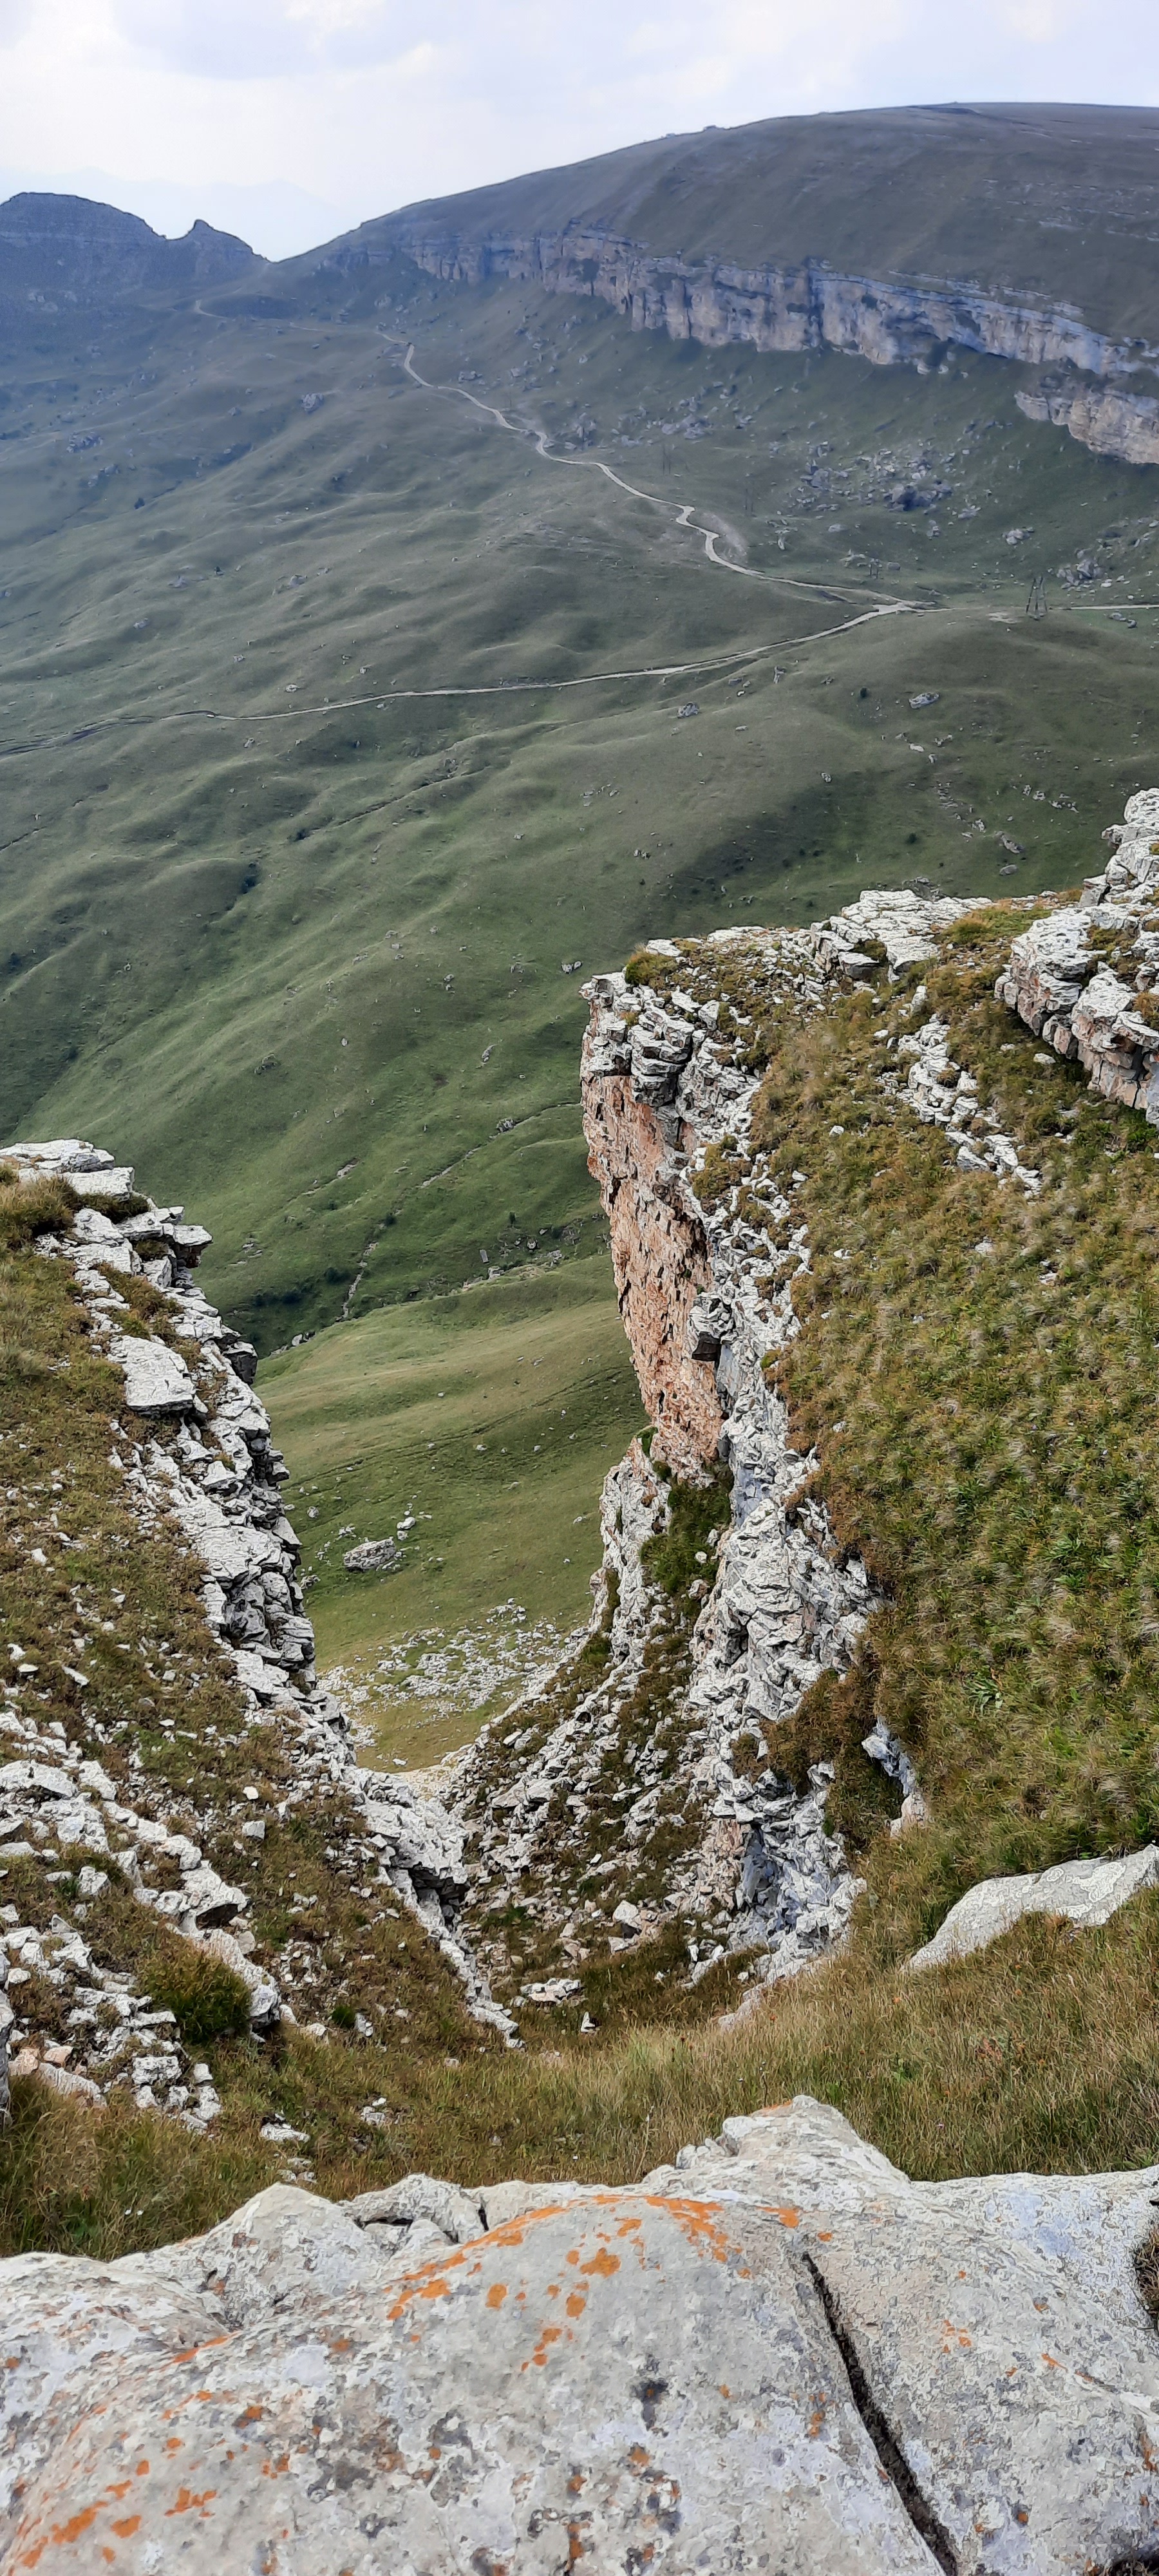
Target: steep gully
x=645 y=1769
x=1086 y=385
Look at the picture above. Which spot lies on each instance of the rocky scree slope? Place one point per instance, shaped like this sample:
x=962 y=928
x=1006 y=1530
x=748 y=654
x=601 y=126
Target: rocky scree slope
x=788 y=235
x=690 y=1799
x=778 y=2351
x=98 y=1807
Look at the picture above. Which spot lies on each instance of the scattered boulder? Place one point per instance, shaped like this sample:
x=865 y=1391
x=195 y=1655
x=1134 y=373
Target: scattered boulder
x=373 y=1556
x=1088 y=1892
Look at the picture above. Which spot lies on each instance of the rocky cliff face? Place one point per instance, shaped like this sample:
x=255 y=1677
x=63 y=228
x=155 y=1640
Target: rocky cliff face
x=645 y=1788
x=663 y=1790
x=890 y=322
x=193 y=1448
x=1086 y=977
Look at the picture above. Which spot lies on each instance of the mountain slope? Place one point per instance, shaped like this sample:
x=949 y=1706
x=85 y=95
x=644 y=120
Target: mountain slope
x=380 y=647
x=1052 y=202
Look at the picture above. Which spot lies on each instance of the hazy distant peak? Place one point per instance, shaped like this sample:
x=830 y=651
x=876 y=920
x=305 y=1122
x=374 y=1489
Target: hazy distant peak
x=70 y=250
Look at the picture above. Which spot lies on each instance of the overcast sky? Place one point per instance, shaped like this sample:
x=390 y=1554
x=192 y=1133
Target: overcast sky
x=289 y=120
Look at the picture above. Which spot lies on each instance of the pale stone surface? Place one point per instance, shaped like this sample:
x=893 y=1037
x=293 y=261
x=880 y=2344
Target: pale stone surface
x=906 y=925
x=373 y=1556
x=807 y=304
x=456 y=2213
x=778 y=2354
x=1088 y=1891
x=1059 y=981
x=156 y=1378
x=504 y=2200
x=543 y=2369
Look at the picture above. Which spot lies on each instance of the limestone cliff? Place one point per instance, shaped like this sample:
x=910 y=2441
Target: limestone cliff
x=82 y=1811
x=643 y=1791
x=672 y=1797
x=1108 y=396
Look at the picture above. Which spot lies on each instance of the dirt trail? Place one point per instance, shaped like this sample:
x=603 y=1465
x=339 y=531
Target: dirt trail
x=478 y=689
x=681 y=511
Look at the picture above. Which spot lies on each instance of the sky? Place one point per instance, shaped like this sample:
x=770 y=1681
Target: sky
x=292 y=120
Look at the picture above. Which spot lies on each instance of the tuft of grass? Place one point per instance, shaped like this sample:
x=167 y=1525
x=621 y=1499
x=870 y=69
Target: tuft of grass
x=29 y=1208
x=1041 y=2053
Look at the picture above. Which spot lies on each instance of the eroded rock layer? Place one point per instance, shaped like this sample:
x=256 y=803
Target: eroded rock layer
x=1102 y=391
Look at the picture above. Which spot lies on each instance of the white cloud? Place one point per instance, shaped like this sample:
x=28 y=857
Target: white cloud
x=367 y=104
x=15 y=18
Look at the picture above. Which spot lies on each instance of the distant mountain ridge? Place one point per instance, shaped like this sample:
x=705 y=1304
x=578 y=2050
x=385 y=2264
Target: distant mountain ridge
x=59 y=253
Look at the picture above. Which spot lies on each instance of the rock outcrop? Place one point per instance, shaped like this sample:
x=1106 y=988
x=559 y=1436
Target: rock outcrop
x=1109 y=403
x=709 y=1829
x=1086 y=1892
x=646 y=1788
x=1086 y=977
x=777 y=2353
x=195 y=1451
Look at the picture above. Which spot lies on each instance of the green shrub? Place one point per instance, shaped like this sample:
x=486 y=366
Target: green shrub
x=208 y=1999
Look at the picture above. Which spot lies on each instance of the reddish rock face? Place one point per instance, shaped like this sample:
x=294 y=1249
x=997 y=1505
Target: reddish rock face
x=661 y=1264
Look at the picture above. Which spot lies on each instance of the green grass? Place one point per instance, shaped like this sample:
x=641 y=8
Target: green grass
x=303 y=966
x=1040 y=2054
x=493 y=1416
x=263 y=946
x=1001 y=196
x=977 y=1370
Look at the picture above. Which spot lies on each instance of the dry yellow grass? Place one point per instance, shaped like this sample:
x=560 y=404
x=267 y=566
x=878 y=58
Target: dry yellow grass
x=1040 y=2054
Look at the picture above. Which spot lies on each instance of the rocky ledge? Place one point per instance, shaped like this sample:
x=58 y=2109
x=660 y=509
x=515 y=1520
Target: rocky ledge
x=644 y=1795
x=778 y=2353
x=1086 y=977
x=1100 y=390
x=194 y=1449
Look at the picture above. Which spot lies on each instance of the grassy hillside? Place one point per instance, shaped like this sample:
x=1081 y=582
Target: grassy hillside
x=337 y=721
x=1053 y=201
x=488 y=1419
x=293 y=938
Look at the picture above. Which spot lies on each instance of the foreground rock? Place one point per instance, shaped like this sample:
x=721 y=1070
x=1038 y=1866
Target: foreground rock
x=1086 y=978
x=779 y=2354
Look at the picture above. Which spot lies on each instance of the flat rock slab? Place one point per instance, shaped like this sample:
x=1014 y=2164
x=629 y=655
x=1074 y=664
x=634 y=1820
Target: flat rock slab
x=779 y=2355
x=156 y=1378
x=1088 y=1891
x=635 y=2382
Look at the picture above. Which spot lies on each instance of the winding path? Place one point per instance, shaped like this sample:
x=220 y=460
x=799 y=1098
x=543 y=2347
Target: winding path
x=682 y=514
x=477 y=689
x=681 y=510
